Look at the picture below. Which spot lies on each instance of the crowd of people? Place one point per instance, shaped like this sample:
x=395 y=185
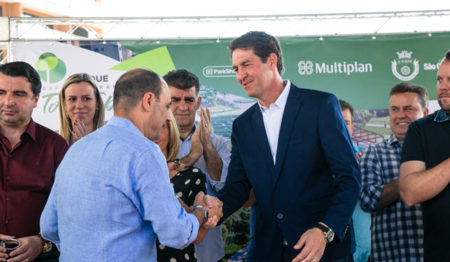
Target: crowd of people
x=151 y=185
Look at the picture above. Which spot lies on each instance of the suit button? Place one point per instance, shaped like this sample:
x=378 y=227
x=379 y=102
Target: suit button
x=280 y=216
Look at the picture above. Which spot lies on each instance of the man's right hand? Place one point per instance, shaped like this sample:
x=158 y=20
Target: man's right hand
x=212 y=204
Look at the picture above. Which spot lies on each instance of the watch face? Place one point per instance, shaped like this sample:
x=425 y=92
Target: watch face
x=330 y=236
x=48 y=247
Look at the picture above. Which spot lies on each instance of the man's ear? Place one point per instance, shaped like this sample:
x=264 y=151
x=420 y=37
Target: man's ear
x=272 y=61
x=199 y=102
x=147 y=100
x=36 y=99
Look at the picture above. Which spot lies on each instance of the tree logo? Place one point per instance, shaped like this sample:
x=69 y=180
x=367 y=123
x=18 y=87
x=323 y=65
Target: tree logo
x=51 y=69
x=404 y=68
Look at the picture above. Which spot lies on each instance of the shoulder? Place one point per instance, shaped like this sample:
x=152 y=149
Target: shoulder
x=311 y=93
x=247 y=114
x=218 y=140
x=423 y=122
x=46 y=135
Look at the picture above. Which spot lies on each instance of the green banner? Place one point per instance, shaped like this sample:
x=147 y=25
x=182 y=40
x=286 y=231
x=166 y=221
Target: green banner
x=359 y=69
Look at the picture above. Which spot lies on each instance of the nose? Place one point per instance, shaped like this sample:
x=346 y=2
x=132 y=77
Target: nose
x=9 y=100
x=240 y=74
x=168 y=115
x=79 y=103
x=182 y=105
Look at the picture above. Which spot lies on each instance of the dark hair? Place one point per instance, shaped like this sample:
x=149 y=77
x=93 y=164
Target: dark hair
x=132 y=86
x=182 y=79
x=262 y=44
x=405 y=87
x=447 y=55
x=23 y=69
x=345 y=105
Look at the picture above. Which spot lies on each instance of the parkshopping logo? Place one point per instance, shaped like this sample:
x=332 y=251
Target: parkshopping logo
x=51 y=69
x=218 y=71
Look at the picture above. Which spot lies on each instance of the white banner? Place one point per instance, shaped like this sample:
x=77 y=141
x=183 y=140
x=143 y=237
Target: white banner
x=56 y=61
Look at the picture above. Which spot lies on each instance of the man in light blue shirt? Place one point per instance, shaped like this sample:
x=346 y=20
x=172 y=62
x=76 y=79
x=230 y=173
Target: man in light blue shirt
x=200 y=148
x=112 y=197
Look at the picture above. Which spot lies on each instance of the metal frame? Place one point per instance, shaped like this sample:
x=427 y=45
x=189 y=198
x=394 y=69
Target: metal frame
x=212 y=27
x=219 y=27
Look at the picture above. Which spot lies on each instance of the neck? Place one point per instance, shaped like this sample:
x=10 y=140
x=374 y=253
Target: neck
x=13 y=133
x=185 y=131
x=272 y=94
x=137 y=122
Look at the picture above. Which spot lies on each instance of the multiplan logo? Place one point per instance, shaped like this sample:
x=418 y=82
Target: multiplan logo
x=218 y=71
x=308 y=67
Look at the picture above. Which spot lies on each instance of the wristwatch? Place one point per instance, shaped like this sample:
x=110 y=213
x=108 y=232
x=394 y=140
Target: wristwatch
x=328 y=233
x=193 y=208
x=47 y=246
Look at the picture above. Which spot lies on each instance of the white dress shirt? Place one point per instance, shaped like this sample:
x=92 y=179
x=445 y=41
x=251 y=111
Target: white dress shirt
x=272 y=117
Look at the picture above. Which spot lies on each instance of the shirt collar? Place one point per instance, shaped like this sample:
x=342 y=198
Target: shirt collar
x=392 y=140
x=123 y=122
x=282 y=98
x=190 y=134
x=441 y=116
x=31 y=130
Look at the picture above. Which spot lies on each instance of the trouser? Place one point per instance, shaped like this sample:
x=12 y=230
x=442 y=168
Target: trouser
x=288 y=255
x=52 y=256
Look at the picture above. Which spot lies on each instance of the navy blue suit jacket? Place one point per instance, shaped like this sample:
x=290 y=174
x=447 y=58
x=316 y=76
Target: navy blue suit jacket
x=316 y=176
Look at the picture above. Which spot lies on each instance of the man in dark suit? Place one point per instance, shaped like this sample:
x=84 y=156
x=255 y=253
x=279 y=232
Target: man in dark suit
x=293 y=148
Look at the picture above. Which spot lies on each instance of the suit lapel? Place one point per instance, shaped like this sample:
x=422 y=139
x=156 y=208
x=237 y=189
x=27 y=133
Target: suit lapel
x=261 y=138
x=291 y=109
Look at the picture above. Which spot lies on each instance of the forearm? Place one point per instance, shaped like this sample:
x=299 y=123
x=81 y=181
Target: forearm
x=213 y=162
x=201 y=235
x=389 y=195
x=418 y=185
x=191 y=158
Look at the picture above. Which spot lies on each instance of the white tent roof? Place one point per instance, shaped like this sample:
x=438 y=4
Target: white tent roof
x=217 y=27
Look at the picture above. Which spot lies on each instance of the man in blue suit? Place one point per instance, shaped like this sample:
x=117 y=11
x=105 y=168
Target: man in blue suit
x=293 y=148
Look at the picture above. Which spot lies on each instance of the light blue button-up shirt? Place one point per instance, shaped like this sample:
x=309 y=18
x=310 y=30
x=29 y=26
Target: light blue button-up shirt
x=112 y=198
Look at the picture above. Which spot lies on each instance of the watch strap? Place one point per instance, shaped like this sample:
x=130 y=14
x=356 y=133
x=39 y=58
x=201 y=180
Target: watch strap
x=323 y=228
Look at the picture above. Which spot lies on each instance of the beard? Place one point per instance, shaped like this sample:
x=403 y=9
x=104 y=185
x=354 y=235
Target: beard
x=444 y=105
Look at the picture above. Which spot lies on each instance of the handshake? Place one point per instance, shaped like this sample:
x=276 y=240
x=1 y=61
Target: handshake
x=207 y=209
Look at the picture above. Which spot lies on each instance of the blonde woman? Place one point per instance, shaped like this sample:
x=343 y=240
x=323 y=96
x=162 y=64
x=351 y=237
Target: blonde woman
x=187 y=182
x=81 y=108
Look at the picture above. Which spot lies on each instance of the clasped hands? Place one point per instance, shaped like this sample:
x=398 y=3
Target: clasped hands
x=30 y=247
x=78 y=130
x=214 y=207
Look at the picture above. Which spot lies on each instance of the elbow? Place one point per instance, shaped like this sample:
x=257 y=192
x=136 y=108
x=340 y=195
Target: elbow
x=407 y=198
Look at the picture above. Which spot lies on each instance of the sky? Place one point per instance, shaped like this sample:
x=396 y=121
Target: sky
x=149 y=8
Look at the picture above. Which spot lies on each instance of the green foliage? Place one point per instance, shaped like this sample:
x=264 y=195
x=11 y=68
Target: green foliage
x=235 y=232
